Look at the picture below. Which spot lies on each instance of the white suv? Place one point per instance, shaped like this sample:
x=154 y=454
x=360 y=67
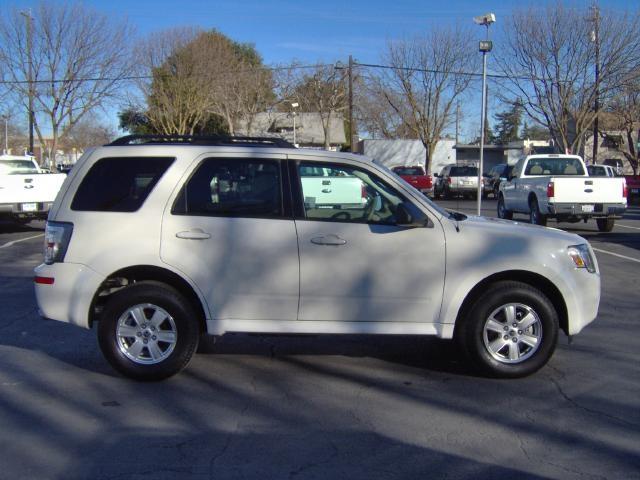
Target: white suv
x=159 y=240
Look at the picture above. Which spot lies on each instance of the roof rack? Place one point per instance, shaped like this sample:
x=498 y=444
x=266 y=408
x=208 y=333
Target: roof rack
x=208 y=140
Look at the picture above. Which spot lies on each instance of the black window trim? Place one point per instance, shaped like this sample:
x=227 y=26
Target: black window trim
x=285 y=200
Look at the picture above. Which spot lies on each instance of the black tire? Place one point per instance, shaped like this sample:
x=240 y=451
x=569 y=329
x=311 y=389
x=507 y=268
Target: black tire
x=535 y=216
x=180 y=326
x=480 y=332
x=605 y=224
x=502 y=211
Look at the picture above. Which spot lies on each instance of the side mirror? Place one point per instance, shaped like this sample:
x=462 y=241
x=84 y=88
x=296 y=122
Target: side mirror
x=410 y=216
x=436 y=175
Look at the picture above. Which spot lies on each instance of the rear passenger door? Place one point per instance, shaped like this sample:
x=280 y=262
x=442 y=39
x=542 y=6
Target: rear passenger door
x=230 y=229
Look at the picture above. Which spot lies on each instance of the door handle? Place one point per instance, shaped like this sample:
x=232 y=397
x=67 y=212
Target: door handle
x=330 y=239
x=193 y=234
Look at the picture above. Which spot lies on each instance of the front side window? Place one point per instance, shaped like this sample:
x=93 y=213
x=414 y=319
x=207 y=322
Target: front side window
x=119 y=184
x=232 y=188
x=347 y=194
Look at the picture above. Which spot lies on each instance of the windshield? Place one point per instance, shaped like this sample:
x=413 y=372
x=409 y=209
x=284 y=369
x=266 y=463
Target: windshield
x=409 y=170
x=555 y=166
x=464 y=172
x=12 y=167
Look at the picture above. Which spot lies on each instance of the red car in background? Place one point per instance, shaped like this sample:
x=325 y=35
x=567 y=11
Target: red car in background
x=633 y=187
x=417 y=177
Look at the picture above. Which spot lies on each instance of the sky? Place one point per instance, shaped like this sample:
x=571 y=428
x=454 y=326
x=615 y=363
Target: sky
x=322 y=31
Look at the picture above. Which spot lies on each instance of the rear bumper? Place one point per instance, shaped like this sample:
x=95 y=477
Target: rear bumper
x=600 y=210
x=68 y=298
x=26 y=209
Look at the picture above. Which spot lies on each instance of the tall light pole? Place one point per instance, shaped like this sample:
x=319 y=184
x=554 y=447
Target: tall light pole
x=485 y=47
x=28 y=18
x=6 y=134
x=294 y=105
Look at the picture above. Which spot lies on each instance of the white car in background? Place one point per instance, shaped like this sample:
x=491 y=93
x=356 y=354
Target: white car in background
x=26 y=191
x=160 y=240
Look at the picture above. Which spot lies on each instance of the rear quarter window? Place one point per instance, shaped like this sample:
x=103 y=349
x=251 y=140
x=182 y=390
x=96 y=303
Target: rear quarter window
x=119 y=184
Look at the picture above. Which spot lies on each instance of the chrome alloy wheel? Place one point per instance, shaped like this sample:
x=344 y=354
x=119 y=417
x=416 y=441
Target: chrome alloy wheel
x=146 y=334
x=512 y=333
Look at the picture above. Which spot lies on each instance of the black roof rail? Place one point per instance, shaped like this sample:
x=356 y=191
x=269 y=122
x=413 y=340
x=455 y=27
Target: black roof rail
x=207 y=140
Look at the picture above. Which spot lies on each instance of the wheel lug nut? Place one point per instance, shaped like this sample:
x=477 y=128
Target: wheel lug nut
x=519 y=332
x=138 y=334
x=514 y=339
x=506 y=337
x=145 y=341
x=515 y=324
x=153 y=337
x=506 y=328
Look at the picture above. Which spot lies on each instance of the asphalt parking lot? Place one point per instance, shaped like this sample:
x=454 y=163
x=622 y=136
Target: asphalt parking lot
x=275 y=407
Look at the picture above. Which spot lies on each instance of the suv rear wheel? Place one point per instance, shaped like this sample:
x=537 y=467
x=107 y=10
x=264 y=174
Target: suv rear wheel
x=511 y=331
x=148 y=331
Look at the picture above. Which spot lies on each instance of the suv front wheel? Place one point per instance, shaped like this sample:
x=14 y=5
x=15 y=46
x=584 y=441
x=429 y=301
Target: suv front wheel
x=510 y=331
x=148 y=331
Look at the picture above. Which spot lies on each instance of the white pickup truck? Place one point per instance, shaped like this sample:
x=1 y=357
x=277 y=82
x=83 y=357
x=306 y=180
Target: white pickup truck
x=26 y=191
x=321 y=188
x=558 y=186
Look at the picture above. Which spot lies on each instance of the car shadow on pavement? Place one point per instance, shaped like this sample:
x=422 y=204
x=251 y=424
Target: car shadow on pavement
x=12 y=227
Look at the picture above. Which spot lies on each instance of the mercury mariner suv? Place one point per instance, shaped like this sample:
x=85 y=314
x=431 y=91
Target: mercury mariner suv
x=157 y=241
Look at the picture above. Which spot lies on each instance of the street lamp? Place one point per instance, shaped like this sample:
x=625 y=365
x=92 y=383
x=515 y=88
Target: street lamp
x=294 y=105
x=485 y=47
x=6 y=134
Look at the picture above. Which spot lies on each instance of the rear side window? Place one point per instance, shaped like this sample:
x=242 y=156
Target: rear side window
x=119 y=184
x=232 y=188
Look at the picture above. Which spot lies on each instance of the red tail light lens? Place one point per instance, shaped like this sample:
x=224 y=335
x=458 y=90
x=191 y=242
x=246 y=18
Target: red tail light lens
x=550 y=190
x=449 y=180
x=625 y=190
x=44 y=280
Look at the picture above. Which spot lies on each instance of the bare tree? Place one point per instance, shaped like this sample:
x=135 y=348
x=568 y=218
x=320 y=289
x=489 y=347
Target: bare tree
x=321 y=89
x=79 y=58
x=549 y=55
x=197 y=75
x=426 y=78
x=625 y=117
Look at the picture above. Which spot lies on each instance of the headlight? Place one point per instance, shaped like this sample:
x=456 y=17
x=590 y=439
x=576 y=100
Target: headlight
x=581 y=256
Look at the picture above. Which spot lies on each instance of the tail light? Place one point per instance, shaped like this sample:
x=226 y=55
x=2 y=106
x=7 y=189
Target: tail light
x=363 y=190
x=449 y=180
x=550 y=190
x=56 y=241
x=625 y=190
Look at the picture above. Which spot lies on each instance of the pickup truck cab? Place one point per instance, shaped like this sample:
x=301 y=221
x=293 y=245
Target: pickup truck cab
x=26 y=191
x=416 y=177
x=558 y=186
x=157 y=241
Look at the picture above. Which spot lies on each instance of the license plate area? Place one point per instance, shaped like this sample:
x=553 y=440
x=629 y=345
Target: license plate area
x=29 y=207
x=587 y=208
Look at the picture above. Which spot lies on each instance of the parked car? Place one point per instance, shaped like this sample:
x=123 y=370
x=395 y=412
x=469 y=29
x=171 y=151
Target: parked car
x=26 y=190
x=499 y=173
x=557 y=186
x=457 y=180
x=156 y=241
x=416 y=177
x=601 y=171
x=633 y=185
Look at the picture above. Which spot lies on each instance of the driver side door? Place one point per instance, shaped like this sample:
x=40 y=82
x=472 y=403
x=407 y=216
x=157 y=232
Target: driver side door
x=356 y=263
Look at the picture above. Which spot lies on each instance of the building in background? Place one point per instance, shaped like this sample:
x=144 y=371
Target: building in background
x=308 y=128
x=395 y=153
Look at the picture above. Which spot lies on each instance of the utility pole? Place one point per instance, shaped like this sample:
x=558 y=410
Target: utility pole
x=28 y=17
x=352 y=125
x=457 y=121
x=596 y=39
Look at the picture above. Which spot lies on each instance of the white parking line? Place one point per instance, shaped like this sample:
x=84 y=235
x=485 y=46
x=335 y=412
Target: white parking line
x=617 y=255
x=9 y=244
x=627 y=226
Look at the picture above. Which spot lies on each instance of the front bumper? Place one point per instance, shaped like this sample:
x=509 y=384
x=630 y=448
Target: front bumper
x=68 y=299
x=591 y=210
